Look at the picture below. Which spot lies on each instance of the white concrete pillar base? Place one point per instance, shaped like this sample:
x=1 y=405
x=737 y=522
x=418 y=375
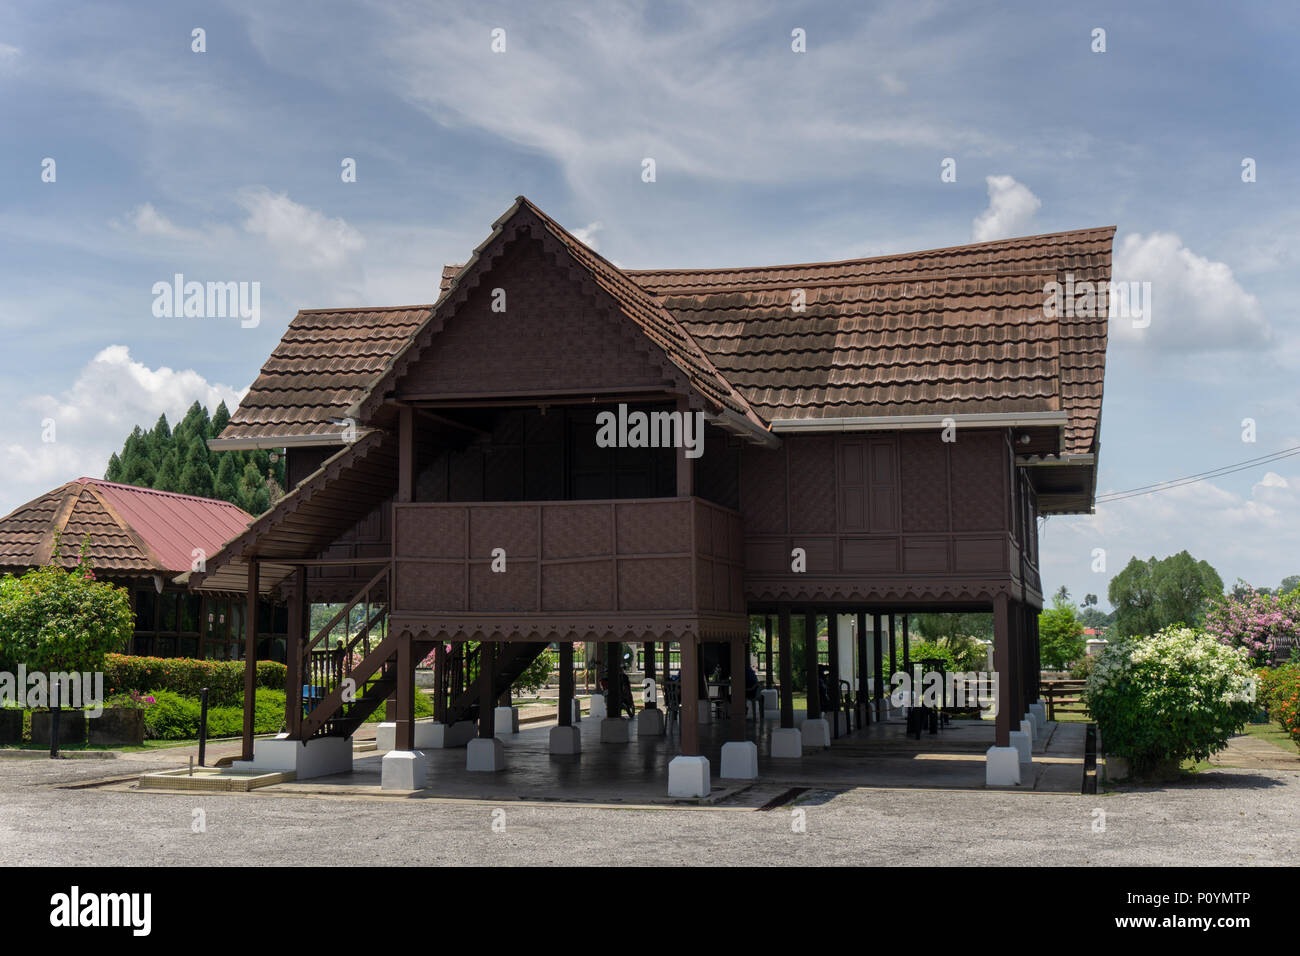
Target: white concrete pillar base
x=404 y=770
x=1039 y=713
x=1002 y=767
x=596 y=707
x=771 y=703
x=650 y=723
x=576 y=706
x=816 y=732
x=705 y=711
x=503 y=721
x=319 y=757
x=386 y=735
x=739 y=760
x=1020 y=740
x=432 y=735
x=787 y=742
x=485 y=754
x=1027 y=728
x=566 y=740
x=615 y=730
x=688 y=777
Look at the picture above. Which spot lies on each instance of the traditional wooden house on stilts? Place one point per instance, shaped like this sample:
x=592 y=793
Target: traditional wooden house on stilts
x=877 y=436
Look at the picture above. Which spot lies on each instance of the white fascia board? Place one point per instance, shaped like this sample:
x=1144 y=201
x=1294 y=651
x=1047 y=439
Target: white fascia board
x=899 y=422
x=284 y=441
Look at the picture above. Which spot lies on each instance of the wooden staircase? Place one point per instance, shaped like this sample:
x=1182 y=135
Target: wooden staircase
x=342 y=698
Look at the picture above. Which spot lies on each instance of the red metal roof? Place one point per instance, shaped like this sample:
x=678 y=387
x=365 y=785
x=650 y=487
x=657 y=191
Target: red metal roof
x=127 y=529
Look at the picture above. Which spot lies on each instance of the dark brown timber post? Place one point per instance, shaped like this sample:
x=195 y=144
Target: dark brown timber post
x=690 y=700
x=813 y=708
x=648 y=654
x=404 y=732
x=864 y=686
x=614 y=680
x=768 y=634
x=833 y=658
x=486 y=699
x=440 y=683
x=893 y=664
x=907 y=647
x=299 y=624
x=1002 y=667
x=250 y=658
x=880 y=664
x=566 y=684
x=786 y=663
x=738 y=661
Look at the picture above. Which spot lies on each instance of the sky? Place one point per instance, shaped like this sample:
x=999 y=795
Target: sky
x=221 y=156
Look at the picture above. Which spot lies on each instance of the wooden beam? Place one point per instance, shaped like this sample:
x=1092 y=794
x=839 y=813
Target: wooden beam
x=404 y=732
x=879 y=639
x=250 y=658
x=566 y=684
x=833 y=658
x=1002 y=668
x=486 y=699
x=864 y=687
x=786 y=663
x=299 y=623
x=738 y=661
x=813 y=708
x=690 y=696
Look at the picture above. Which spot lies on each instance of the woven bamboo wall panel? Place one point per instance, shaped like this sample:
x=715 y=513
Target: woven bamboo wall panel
x=430 y=587
x=578 y=586
x=704 y=569
x=514 y=589
x=576 y=531
x=659 y=527
x=423 y=532
x=511 y=528
x=923 y=464
x=654 y=584
x=762 y=490
x=812 y=484
x=979 y=492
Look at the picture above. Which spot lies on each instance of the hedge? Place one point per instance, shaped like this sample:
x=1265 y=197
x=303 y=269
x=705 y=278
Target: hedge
x=182 y=675
x=175 y=717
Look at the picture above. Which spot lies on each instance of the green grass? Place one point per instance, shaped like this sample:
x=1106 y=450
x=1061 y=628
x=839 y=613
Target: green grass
x=1274 y=734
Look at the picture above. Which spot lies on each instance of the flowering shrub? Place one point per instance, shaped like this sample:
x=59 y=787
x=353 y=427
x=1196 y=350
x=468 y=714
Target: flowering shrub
x=1279 y=691
x=1175 y=696
x=1261 y=623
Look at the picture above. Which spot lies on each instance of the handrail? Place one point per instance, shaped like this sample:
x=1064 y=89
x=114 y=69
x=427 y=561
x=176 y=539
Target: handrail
x=347 y=608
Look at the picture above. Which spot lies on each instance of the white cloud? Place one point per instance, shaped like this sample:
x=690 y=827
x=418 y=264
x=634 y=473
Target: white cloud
x=92 y=417
x=1011 y=209
x=148 y=221
x=1196 y=304
x=297 y=231
x=587 y=234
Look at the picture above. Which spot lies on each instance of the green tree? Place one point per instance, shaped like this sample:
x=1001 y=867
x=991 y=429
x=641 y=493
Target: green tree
x=1158 y=593
x=1060 y=634
x=60 y=619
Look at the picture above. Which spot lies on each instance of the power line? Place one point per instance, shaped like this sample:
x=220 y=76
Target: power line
x=1200 y=476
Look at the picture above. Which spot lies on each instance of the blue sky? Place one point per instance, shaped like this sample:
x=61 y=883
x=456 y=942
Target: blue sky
x=225 y=165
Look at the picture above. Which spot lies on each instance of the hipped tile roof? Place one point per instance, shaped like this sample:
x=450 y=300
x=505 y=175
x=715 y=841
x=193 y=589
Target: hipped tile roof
x=126 y=530
x=943 y=331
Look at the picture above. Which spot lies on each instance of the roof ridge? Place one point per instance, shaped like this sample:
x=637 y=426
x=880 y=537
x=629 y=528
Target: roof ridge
x=103 y=483
x=987 y=244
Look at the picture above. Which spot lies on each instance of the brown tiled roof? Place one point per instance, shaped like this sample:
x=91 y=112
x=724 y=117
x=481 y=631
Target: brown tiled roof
x=325 y=361
x=943 y=331
x=637 y=305
x=126 y=530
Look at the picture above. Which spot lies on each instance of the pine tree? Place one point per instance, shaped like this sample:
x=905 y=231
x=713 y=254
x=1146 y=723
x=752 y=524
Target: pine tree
x=114 y=470
x=220 y=419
